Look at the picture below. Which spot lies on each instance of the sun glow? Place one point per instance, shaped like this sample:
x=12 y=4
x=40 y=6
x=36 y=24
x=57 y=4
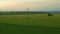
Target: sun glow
x=7 y=4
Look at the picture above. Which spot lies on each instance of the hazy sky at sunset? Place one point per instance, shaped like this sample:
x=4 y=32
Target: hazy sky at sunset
x=32 y=4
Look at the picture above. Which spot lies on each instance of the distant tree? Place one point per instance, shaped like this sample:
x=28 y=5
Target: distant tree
x=50 y=14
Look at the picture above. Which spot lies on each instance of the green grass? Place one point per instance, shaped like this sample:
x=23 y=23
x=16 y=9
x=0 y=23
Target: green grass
x=24 y=29
x=34 y=20
x=35 y=24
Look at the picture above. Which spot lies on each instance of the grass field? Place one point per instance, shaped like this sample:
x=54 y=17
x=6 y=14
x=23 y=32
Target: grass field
x=32 y=24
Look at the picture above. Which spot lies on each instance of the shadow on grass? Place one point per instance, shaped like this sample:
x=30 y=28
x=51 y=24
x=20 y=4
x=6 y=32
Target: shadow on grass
x=24 y=29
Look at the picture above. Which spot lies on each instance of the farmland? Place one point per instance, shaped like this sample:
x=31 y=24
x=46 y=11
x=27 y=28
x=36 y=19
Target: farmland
x=30 y=24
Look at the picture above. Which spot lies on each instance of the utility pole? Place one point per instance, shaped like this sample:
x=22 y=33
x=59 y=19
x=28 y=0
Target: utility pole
x=27 y=13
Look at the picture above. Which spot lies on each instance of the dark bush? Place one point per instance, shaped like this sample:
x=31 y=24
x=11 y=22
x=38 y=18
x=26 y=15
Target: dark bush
x=49 y=14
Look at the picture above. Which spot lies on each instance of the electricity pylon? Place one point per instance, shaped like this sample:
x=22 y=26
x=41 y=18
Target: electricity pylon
x=27 y=13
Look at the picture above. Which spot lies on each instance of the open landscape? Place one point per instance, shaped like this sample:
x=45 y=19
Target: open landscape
x=30 y=24
x=29 y=16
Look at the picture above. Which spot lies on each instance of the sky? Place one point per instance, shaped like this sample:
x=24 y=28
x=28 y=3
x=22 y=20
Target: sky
x=41 y=5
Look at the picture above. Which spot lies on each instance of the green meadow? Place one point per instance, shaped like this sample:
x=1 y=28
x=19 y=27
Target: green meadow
x=30 y=24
